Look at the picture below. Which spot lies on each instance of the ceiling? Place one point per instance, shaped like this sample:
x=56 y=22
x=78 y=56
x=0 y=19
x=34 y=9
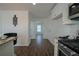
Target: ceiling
x=40 y=10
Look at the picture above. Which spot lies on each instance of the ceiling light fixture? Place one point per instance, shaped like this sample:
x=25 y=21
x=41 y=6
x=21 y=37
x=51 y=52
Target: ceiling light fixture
x=34 y=3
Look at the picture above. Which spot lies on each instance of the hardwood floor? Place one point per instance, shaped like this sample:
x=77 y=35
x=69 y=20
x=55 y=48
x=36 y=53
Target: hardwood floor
x=43 y=49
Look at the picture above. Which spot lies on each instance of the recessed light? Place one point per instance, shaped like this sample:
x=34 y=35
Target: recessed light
x=34 y=3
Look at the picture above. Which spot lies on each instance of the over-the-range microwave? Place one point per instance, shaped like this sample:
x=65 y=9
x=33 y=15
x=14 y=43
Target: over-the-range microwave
x=74 y=11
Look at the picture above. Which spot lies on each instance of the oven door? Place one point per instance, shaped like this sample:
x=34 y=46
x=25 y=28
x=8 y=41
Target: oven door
x=65 y=51
x=60 y=53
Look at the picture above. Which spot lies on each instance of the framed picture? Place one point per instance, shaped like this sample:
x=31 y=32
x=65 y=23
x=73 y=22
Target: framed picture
x=15 y=20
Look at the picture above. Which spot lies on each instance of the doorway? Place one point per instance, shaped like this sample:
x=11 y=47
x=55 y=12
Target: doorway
x=39 y=34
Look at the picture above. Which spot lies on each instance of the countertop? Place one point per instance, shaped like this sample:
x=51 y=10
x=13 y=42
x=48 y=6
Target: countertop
x=4 y=41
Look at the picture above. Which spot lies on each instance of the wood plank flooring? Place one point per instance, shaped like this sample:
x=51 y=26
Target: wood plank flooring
x=34 y=49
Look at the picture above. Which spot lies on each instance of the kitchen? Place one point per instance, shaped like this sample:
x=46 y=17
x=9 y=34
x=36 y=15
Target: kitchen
x=68 y=45
x=60 y=26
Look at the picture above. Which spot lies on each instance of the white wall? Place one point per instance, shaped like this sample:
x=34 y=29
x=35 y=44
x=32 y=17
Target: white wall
x=0 y=25
x=22 y=29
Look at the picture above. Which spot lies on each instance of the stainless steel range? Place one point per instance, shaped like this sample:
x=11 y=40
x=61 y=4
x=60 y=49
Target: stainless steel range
x=68 y=47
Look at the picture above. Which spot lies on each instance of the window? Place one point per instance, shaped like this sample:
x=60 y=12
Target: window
x=39 y=28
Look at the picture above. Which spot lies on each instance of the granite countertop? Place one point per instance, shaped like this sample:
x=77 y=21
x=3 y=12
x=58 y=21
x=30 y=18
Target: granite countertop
x=4 y=41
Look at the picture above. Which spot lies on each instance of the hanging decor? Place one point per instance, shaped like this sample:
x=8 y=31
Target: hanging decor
x=15 y=20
